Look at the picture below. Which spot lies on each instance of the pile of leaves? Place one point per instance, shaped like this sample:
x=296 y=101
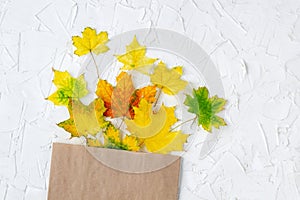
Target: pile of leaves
x=143 y=127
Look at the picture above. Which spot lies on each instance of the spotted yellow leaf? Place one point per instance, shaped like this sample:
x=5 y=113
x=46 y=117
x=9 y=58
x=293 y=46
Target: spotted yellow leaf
x=84 y=119
x=68 y=87
x=93 y=142
x=131 y=143
x=112 y=139
x=112 y=135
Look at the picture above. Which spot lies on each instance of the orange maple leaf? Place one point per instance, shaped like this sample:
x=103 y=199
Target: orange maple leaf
x=126 y=96
x=148 y=93
x=104 y=91
x=121 y=96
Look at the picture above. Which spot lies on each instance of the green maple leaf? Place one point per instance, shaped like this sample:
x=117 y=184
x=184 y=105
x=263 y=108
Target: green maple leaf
x=206 y=108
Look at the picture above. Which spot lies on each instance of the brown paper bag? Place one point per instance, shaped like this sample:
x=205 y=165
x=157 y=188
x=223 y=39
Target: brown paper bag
x=86 y=173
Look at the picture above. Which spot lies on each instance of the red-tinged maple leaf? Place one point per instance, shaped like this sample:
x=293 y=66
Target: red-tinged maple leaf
x=126 y=96
x=148 y=93
x=121 y=96
x=108 y=112
x=104 y=91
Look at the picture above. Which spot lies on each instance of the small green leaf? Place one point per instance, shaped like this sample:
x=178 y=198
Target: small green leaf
x=206 y=108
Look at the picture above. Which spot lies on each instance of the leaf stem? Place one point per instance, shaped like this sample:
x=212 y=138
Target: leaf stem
x=193 y=119
x=121 y=122
x=93 y=58
x=156 y=101
x=141 y=143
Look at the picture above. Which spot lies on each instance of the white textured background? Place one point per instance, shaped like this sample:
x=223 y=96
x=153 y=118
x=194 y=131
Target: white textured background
x=255 y=44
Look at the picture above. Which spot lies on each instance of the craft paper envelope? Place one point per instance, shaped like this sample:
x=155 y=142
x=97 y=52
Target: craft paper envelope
x=87 y=173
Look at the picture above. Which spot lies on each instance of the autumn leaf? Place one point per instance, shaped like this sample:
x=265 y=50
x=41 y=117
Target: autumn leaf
x=156 y=133
x=67 y=87
x=90 y=42
x=165 y=140
x=131 y=143
x=206 y=108
x=121 y=96
x=135 y=57
x=93 y=142
x=121 y=75
x=145 y=123
x=148 y=93
x=169 y=80
x=112 y=137
x=113 y=140
x=104 y=91
x=143 y=113
x=84 y=119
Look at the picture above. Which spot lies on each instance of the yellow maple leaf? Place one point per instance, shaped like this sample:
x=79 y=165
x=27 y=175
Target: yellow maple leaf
x=143 y=113
x=178 y=69
x=104 y=90
x=84 y=119
x=146 y=123
x=131 y=143
x=67 y=87
x=93 y=142
x=169 y=80
x=90 y=42
x=156 y=134
x=135 y=57
x=166 y=141
x=112 y=135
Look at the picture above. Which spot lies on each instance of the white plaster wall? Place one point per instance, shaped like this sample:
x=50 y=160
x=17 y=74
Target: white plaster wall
x=255 y=44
